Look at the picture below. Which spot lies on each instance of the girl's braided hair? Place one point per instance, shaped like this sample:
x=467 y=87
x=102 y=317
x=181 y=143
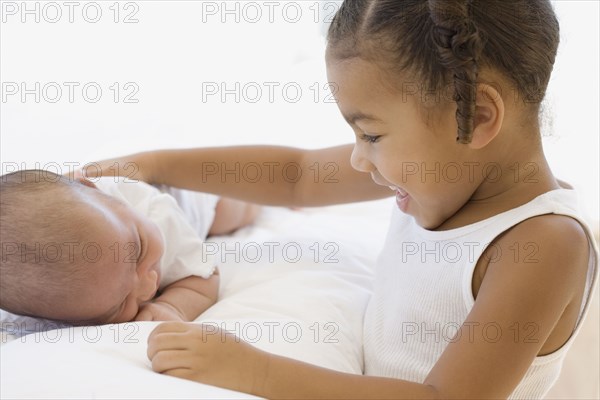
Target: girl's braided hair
x=447 y=41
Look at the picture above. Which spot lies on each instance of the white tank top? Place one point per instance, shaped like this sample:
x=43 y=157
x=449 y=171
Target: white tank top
x=422 y=293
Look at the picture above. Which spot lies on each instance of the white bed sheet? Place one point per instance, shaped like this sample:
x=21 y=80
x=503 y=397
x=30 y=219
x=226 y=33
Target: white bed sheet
x=309 y=307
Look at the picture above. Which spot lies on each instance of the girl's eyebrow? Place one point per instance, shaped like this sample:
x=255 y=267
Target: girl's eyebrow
x=357 y=116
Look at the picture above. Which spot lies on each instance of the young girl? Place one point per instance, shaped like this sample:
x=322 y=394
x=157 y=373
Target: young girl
x=487 y=271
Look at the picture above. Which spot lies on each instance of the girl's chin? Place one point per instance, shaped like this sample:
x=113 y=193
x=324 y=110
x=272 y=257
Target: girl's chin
x=424 y=221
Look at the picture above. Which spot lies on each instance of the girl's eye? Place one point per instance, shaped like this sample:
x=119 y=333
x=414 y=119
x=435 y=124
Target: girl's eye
x=369 y=138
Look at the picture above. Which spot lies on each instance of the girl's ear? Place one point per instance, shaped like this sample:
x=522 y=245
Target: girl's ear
x=489 y=115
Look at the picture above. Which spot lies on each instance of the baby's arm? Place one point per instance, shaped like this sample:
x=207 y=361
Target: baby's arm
x=183 y=300
x=232 y=214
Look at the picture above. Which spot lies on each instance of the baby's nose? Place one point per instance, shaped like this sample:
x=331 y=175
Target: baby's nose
x=148 y=287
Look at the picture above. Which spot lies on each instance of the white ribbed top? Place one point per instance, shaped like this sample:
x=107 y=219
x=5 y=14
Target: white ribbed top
x=423 y=293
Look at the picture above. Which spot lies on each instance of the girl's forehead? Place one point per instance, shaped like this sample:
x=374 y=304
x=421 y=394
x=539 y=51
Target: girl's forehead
x=363 y=72
x=359 y=83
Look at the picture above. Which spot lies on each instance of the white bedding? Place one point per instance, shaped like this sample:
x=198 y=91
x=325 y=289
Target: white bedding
x=309 y=307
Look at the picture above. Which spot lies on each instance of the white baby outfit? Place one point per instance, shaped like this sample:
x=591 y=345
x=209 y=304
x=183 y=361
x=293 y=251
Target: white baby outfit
x=183 y=218
x=423 y=293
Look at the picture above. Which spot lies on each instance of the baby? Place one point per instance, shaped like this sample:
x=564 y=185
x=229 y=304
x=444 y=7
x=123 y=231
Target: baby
x=84 y=252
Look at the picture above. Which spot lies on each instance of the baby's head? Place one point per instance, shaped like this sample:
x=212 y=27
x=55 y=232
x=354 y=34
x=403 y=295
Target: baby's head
x=73 y=253
x=436 y=90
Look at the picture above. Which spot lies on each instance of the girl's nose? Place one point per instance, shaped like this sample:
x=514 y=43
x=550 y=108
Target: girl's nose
x=358 y=160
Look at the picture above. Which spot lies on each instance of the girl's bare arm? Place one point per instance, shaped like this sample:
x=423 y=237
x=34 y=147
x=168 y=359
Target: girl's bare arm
x=270 y=175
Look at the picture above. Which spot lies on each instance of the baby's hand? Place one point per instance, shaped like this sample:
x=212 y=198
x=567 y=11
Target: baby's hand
x=207 y=354
x=158 y=311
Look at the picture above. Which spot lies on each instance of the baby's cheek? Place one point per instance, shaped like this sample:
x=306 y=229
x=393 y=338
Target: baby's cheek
x=134 y=311
x=129 y=312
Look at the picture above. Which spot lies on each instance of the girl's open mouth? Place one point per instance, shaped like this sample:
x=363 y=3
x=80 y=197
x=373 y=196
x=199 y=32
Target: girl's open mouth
x=402 y=198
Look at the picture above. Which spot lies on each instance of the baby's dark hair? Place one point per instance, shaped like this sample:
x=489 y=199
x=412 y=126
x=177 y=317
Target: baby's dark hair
x=40 y=217
x=446 y=42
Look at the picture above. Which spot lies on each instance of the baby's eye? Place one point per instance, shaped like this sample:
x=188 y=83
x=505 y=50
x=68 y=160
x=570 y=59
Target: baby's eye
x=368 y=138
x=141 y=250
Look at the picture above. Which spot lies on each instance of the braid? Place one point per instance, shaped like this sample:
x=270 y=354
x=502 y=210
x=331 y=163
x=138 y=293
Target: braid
x=459 y=47
x=441 y=42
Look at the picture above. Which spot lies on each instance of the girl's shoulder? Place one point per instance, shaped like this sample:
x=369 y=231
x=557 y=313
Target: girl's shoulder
x=548 y=257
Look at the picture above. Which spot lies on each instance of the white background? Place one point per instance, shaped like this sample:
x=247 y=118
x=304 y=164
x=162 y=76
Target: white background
x=178 y=49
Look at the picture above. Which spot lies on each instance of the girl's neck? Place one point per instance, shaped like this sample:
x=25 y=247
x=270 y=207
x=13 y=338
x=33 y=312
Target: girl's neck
x=523 y=178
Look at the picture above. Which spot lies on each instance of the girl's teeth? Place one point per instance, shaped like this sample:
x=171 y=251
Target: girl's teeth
x=397 y=189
